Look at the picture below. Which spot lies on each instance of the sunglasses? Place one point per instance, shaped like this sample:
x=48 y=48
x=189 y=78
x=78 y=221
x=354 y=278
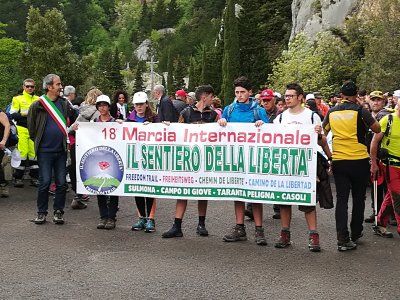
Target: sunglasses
x=30 y=86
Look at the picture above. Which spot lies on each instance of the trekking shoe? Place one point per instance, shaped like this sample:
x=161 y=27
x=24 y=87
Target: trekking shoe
x=284 y=239
x=173 y=232
x=4 y=192
x=102 y=224
x=313 y=242
x=370 y=219
x=139 y=225
x=248 y=212
x=18 y=183
x=58 y=217
x=238 y=233
x=34 y=182
x=356 y=237
x=276 y=216
x=40 y=219
x=382 y=231
x=110 y=224
x=77 y=204
x=259 y=237
x=150 y=225
x=201 y=230
x=84 y=198
x=344 y=246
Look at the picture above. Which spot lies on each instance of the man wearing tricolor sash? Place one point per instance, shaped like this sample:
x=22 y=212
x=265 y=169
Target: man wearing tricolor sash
x=48 y=129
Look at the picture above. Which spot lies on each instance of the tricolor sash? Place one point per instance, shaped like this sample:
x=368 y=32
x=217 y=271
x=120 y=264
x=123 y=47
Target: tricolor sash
x=55 y=114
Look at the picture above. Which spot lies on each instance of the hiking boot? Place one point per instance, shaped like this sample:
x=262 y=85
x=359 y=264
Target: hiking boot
x=76 y=204
x=34 y=182
x=370 y=219
x=248 y=212
x=259 y=237
x=238 y=233
x=150 y=225
x=4 y=192
x=110 y=224
x=84 y=198
x=348 y=245
x=18 y=183
x=201 y=230
x=102 y=224
x=284 y=239
x=139 y=225
x=382 y=231
x=313 y=242
x=58 y=217
x=40 y=219
x=173 y=232
x=356 y=237
x=276 y=216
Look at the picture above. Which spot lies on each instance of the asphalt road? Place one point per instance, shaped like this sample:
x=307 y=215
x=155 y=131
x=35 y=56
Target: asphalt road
x=78 y=261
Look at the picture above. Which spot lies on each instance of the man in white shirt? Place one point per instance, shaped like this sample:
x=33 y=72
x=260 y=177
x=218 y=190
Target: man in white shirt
x=297 y=114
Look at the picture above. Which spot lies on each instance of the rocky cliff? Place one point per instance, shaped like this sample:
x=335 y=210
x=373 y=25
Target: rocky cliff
x=313 y=16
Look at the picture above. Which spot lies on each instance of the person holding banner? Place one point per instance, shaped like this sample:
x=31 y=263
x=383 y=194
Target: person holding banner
x=48 y=128
x=245 y=110
x=199 y=113
x=142 y=113
x=297 y=114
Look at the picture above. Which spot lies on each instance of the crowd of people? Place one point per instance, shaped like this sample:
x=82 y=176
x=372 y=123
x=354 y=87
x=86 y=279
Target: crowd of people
x=364 y=130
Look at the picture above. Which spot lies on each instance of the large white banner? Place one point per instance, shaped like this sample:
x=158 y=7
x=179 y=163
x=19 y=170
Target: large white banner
x=270 y=164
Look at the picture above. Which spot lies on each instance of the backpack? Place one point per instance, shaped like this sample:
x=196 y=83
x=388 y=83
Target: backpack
x=231 y=108
x=13 y=137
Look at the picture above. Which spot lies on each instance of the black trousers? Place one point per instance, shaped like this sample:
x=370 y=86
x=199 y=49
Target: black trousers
x=350 y=175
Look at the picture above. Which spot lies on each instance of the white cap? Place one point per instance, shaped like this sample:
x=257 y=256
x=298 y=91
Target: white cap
x=15 y=158
x=103 y=98
x=276 y=94
x=139 y=97
x=310 y=96
x=396 y=93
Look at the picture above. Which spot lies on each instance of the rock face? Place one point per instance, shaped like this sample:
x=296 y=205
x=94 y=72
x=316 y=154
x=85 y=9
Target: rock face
x=313 y=16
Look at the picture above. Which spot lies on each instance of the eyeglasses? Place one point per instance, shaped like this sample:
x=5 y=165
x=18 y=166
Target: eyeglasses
x=290 y=96
x=30 y=86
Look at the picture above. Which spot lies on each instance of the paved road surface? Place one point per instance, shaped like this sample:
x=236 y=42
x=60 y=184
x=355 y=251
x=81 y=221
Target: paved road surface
x=77 y=261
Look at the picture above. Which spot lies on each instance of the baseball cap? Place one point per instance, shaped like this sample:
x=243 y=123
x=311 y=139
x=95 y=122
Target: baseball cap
x=139 y=97
x=377 y=94
x=181 y=93
x=267 y=94
x=103 y=98
x=349 y=88
x=278 y=95
x=310 y=96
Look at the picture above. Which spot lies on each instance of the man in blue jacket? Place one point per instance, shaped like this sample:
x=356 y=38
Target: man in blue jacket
x=245 y=110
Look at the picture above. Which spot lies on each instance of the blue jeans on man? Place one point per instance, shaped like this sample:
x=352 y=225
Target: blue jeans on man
x=51 y=163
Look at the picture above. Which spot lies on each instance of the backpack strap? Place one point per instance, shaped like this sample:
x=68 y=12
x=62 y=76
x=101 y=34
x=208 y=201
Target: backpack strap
x=280 y=118
x=256 y=114
x=231 y=107
x=312 y=117
x=388 y=128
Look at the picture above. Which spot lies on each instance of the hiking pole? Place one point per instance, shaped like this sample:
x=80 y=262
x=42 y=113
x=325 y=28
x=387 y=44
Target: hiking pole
x=375 y=186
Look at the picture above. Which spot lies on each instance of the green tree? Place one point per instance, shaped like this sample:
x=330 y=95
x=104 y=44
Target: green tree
x=180 y=72
x=115 y=76
x=173 y=14
x=194 y=76
x=14 y=13
x=10 y=73
x=230 y=62
x=158 y=20
x=170 y=72
x=145 y=21
x=140 y=69
x=48 y=49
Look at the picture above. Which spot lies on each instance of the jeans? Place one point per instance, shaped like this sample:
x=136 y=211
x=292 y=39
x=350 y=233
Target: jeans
x=108 y=206
x=51 y=163
x=354 y=175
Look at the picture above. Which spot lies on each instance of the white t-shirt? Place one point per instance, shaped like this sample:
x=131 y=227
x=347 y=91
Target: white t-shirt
x=302 y=118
